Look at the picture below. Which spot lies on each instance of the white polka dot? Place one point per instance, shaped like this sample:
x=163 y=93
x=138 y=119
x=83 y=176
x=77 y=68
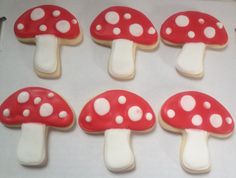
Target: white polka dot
x=63 y=26
x=127 y=16
x=88 y=118
x=45 y=110
x=151 y=31
x=219 y=25
x=171 y=113
x=216 y=120
x=149 y=116
x=136 y=30
x=119 y=119
x=112 y=17
x=209 y=32
x=98 y=27
x=37 y=14
x=122 y=99
x=197 y=120
x=74 y=21
x=116 y=31
x=201 y=21
x=191 y=34
x=101 y=106
x=62 y=114
x=23 y=97
x=188 y=103
x=229 y=120
x=20 y=26
x=43 y=28
x=6 y=112
x=37 y=100
x=135 y=113
x=168 y=30
x=207 y=105
x=56 y=13
x=26 y=112
x=182 y=21
x=50 y=95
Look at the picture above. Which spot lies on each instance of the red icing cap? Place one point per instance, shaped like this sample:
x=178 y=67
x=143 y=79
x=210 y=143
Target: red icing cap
x=36 y=105
x=193 y=26
x=117 y=109
x=47 y=19
x=119 y=22
x=195 y=110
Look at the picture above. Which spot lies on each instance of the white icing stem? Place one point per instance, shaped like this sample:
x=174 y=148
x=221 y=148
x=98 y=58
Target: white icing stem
x=118 y=152
x=190 y=59
x=195 y=152
x=122 y=59
x=46 y=53
x=31 y=149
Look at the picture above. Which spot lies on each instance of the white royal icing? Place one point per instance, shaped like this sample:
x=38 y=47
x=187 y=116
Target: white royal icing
x=20 y=26
x=122 y=99
x=62 y=114
x=209 y=32
x=37 y=14
x=197 y=120
x=168 y=30
x=116 y=31
x=216 y=120
x=151 y=31
x=45 y=110
x=112 y=17
x=149 y=116
x=135 y=113
x=101 y=106
x=191 y=34
x=127 y=16
x=23 y=97
x=219 y=25
x=74 y=21
x=56 y=13
x=98 y=27
x=229 y=120
x=43 y=28
x=201 y=21
x=50 y=95
x=6 y=112
x=37 y=100
x=63 y=26
x=182 y=21
x=187 y=103
x=136 y=30
x=119 y=119
x=171 y=113
x=207 y=105
x=118 y=154
x=88 y=118
x=26 y=113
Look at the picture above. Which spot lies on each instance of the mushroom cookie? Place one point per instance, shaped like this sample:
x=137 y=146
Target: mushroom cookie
x=197 y=116
x=123 y=29
x=194 y=31
x=35 y=110
x=49 y=27
x=117 y=113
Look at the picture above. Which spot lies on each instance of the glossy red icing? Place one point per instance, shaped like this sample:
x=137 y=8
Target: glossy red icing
x=101 y=123
x=16 y=109
x=183 y=119
x=31 y=28
x=198 y=22
x=136 y=17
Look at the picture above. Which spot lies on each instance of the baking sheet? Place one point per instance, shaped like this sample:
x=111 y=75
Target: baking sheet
x=76 y=154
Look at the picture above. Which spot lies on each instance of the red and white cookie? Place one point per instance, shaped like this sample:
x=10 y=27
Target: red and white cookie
x=48 y=26
x=117 y=113
x=123 y=29
x=35 y=109
x=194 y=31
x=197 y=116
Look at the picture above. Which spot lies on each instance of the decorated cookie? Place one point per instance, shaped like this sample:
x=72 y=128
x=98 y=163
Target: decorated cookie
x=197 y=116
x=48 y=26
x=117 y=113
x=194 y=31
x=123 y=29
x=35 y=109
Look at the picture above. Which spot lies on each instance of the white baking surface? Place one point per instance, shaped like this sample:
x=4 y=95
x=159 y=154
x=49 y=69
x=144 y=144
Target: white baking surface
x=76 y=154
